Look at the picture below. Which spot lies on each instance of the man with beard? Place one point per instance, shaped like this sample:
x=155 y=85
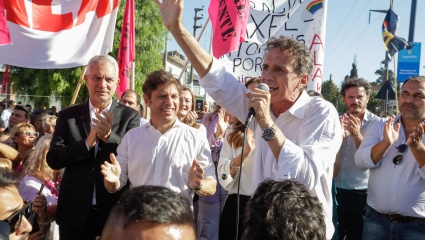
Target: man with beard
x=351 y=181
x=394 y=152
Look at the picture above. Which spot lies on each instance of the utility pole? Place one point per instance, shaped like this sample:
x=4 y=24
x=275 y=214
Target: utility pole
x=196 y=18
x=412 y=21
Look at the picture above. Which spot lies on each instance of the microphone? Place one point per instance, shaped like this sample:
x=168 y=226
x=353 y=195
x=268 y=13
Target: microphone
x=251 y=112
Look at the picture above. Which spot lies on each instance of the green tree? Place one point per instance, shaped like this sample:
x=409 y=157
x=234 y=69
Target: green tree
x=149 y=40
x=381 y=73
x=373 y=102
x=330 y=92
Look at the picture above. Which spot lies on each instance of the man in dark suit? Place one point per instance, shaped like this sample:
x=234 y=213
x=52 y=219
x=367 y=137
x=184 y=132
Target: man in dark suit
x=85 y=135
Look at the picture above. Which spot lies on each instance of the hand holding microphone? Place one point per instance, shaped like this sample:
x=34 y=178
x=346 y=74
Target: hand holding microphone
x=259 y=102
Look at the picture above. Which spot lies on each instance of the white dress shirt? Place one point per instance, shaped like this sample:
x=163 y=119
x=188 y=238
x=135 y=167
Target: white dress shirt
x=350 y=176
x=148 y=157
x=313 y=133
x=392 y=189
x=227 y=155
x=92 y=110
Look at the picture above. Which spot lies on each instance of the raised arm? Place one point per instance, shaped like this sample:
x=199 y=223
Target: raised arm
x=171 y=12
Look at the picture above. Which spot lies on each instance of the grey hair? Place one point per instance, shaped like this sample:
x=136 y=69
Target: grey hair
x=102 y=59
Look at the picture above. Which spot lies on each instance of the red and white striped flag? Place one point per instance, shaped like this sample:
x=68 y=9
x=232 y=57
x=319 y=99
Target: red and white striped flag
x=4 y=30
x=127 y=48
x=5 y=80
x=58 y=34
x=228 y=19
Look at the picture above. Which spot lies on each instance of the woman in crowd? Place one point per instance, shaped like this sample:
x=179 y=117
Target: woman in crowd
x=187 y=112
x=38 y=173
x=24 y=138
x=48 y=124
x=228 y=173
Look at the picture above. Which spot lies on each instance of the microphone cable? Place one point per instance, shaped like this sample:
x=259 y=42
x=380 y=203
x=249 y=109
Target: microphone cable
x=239 y=183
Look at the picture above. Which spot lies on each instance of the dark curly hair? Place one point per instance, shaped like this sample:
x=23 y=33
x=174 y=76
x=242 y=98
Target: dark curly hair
x=355 y=82
x=284 y=210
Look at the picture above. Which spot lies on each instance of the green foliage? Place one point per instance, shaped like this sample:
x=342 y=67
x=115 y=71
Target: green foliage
x=381 y=73
x=373 y=102
x=330 y=92
x=149 y=40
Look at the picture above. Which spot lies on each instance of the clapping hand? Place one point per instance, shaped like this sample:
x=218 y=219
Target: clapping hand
x=196 y=174
x=102 y=124
x=111 y=171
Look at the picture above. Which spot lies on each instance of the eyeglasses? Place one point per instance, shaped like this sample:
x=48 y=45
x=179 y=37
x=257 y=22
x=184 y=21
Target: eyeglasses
x=401 y=149
x=16 y=219
x=28 y=134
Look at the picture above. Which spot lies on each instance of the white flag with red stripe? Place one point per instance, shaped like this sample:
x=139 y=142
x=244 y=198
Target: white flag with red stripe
x=58 y=33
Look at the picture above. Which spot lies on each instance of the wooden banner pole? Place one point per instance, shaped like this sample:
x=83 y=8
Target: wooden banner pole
x=77 y=89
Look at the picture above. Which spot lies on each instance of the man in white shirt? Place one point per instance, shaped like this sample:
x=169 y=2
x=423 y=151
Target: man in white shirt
x=351 y=181
x=165 y=151
x=394 y=152
x=296 y=136
x=5 y=114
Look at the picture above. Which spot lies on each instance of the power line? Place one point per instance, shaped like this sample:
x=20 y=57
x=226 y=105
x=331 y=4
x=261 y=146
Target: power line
x=339 y=43
x=346 y=17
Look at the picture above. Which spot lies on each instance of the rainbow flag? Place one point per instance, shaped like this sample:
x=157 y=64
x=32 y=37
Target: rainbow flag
x=314 y=6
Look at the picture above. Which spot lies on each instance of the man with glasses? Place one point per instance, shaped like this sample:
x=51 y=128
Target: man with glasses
x=84 y=137
x=394 y=152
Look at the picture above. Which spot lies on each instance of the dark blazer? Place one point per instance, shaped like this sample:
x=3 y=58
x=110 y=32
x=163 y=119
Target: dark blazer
x=82 y=168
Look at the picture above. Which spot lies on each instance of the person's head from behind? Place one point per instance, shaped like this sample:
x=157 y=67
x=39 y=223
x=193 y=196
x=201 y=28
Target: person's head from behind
x=284 y=210
x=356 y=93
x=161 y=93
x=12 y=104
x=412 y=98
x=130 y=98
x=37 y=164
x=101 y=80
x=36 y=120
x=13 y=211
x=28 y=107
x=150 y=212
x=49 y=124
x=19 y=115
x=287 y=66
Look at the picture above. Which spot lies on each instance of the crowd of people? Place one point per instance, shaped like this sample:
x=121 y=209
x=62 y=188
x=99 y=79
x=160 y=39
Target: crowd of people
x=98 y=170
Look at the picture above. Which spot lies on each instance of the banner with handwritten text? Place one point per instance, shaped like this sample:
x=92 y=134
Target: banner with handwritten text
x=304 y=21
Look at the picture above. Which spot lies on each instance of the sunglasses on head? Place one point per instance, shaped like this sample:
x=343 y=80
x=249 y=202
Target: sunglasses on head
x=28 y=134
x=401 y=149
x=16 y=219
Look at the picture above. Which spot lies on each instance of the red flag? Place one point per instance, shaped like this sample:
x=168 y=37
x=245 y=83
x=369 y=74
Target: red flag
x=126 y=50
x=5 y=80
x=4 y=30
x=228 y=19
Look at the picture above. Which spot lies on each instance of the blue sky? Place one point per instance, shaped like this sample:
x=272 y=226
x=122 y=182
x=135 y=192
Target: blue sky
x=349 y=34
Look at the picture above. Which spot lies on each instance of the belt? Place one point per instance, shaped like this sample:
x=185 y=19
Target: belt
x=351 y=191
x=399 y=218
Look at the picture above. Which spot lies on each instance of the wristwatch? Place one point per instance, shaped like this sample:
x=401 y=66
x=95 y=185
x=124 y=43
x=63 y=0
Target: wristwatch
x=269 y=133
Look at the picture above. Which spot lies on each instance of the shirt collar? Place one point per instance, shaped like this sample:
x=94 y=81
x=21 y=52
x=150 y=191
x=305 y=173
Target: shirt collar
x=92 y=108
x=177 y=123
x=299 y=107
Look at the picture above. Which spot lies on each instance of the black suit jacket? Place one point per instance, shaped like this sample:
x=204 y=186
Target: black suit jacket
x=82 y=168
